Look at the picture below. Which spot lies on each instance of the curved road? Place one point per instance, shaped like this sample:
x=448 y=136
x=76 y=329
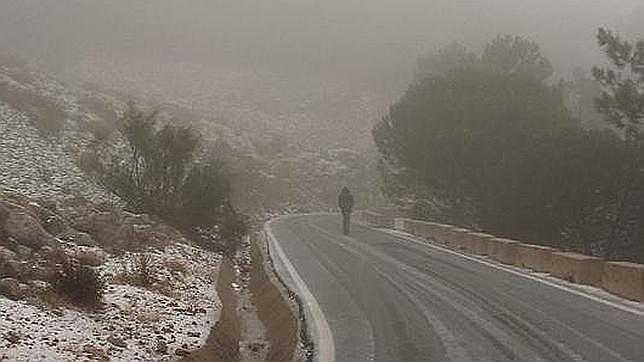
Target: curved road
x=386 y=297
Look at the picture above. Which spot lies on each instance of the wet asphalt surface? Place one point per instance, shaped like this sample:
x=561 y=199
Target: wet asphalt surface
x=387 y=298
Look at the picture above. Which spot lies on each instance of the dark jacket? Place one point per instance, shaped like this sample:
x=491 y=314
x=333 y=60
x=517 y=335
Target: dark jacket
x=345 y=201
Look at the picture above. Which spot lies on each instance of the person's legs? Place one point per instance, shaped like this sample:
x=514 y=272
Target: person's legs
x=345 y=223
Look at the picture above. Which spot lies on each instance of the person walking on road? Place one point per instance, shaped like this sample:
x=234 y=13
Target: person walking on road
x=345 y=202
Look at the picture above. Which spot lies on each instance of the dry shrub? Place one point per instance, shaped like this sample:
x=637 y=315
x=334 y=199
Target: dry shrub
x=177 y=266
x=165 y=287
x=101 y=131
x=121 y=278
x=81 y=284
x=144 y=270
x=50 y=299
x=149 y=316
x=90 y=163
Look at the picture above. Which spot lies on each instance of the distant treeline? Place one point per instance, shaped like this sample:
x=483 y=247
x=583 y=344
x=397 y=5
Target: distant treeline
x=483 y=140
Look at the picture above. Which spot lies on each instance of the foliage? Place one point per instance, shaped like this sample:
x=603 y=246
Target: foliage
x=143 y=270
x=622 y=104
x=162 y=174
x=517 y=56
x=581 y=91
x=622 y=98
x=489 y=144
x=507 y=55
x=453 y=55
x=233 y=228
x=450 y=130
x=83 y=285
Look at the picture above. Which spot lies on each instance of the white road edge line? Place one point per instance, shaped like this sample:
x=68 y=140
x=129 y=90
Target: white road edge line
x=324 y=345
x=623 y=308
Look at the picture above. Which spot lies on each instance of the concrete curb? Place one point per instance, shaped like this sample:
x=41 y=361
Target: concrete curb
x=624 y=279
x=577 y=268
x=620 y=278
x=278 y=308
x=626 y=306
x=321 y=333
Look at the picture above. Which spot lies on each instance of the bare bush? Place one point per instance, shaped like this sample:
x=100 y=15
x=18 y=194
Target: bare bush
x=162 y=172
x=177 y=266
x=144 y=270
x=81 y=284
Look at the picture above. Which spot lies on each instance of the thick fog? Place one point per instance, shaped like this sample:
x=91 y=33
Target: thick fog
x=376 y=40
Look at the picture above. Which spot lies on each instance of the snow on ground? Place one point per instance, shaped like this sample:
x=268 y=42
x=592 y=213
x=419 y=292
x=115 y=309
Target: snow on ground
x=136 y=324
x=588 y=290
x=40 y=167
x=134 y=320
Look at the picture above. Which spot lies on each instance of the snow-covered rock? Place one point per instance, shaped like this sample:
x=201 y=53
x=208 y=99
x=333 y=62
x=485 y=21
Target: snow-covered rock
x=136 y=324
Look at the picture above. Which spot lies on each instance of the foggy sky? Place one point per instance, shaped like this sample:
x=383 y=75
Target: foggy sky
x=362 y=38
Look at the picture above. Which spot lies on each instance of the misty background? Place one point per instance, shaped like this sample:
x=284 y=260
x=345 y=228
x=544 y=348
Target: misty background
x=376 y=41
x=296 y=84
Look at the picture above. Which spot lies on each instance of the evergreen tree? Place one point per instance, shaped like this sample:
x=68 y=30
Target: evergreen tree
x=622 y=98
x=622 y=104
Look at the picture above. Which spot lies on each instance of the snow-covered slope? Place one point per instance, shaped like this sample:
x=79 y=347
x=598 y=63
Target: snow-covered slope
x=41 y=167
x=136 y=324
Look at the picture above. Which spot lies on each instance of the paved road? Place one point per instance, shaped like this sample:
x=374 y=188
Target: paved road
x=388 y=298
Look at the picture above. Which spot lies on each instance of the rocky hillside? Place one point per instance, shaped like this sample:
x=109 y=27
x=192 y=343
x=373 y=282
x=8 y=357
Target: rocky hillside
x=290 y=143
x=45 y=127
x=158 y=298
x=80 y=278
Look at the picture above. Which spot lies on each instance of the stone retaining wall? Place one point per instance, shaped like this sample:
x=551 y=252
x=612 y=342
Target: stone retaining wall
x=624 y=279
x=620 y=278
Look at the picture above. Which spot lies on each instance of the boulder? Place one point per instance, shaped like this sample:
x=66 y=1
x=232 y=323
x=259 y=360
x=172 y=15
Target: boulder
x=50 y=205
x=14 y=197
x=23 y=252
x=26 y=230
x=39 y=285
x=4 y=215
x=44 y=273
x=12 y=268
x=91 y=256
x=146 y=236
x=181 y=352
x=47 y=252
x=9 y=265
x=78 y=238
x=136 y=219
x=50 y=221
x=117 y=341
x=52 y=256
x=24 y=290
x=53 y=223
x=6 y=254
x=107 y=228
x=10 y=206
x=10 y=287
x=161 y=347
x=95 y=353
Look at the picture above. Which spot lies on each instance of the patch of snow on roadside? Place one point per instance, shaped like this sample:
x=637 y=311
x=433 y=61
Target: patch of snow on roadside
x=136 y=324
